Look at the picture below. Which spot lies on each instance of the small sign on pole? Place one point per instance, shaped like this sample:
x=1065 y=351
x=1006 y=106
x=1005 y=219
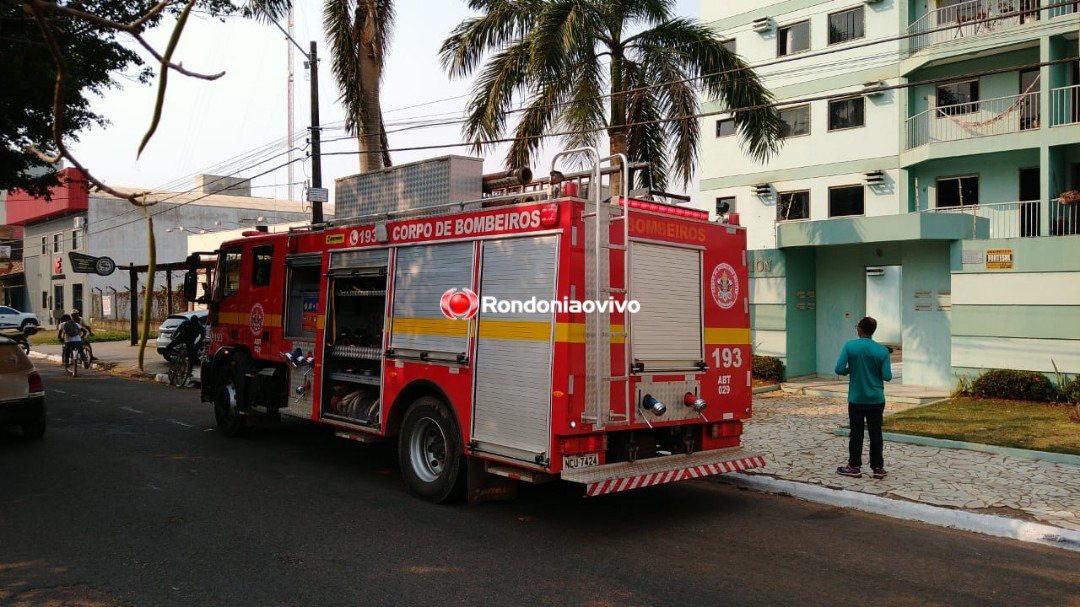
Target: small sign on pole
x=318 y=195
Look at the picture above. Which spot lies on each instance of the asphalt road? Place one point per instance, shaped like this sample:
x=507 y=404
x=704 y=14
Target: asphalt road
x=133 y=499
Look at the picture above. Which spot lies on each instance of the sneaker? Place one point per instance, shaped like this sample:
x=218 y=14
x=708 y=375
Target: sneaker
x=852 y=471
x=879 y=473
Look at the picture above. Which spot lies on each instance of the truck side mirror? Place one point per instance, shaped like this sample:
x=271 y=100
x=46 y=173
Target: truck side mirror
x=191 y=285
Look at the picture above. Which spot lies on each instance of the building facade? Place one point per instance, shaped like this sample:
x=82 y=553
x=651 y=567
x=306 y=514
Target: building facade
x=931 y=156
x=101 y=225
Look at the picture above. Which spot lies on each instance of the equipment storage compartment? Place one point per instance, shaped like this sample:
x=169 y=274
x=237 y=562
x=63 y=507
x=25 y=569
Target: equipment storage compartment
x=354 y=337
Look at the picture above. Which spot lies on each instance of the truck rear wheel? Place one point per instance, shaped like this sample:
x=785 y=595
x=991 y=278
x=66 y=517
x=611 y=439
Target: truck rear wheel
x=430 y=451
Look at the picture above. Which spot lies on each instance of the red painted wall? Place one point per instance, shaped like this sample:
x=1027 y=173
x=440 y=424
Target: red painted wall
x=70 y=196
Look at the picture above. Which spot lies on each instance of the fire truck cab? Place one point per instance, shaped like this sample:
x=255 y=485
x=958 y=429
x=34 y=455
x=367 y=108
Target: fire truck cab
x=501 y=329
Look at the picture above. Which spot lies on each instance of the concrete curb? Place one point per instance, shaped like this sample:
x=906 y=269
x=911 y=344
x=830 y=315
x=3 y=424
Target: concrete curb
x=943 y=443
x=987 y=524
x=764 y=389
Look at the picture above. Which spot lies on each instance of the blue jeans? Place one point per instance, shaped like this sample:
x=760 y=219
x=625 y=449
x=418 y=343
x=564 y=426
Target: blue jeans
x=866 y=417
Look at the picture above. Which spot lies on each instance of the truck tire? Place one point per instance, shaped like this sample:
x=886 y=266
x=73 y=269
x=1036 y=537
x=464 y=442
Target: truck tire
x=229 y=420
x=430 y=451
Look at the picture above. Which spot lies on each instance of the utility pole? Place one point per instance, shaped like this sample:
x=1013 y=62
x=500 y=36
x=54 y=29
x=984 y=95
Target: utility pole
x=316 y=147
x=291 y=142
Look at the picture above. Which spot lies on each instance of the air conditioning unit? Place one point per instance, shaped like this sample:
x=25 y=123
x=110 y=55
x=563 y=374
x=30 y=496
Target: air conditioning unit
x=80 y=221
x=871 y=1
x=763 y=24
x=874 y=178
x=873 y=89
x=762 y=189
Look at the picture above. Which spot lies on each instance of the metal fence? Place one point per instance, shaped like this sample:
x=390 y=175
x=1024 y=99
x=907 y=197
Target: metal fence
x=1020 y=219
x=982 y=118
x=975 y=18
x=1065 y=105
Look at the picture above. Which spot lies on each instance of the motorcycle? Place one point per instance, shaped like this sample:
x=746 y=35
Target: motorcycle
x=19 y=335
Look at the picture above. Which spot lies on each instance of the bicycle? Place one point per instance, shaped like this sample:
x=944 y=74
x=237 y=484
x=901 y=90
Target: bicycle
x=180 y=366
x=81 y=357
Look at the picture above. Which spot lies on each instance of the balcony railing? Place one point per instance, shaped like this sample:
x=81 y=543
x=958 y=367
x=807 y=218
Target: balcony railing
x=974 y=18
x=982 y=118
x=1021 y=219
x=1065 y=105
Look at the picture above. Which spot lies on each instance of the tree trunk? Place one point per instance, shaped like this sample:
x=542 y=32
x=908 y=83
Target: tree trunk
x=148 y=301
x=370 y=131
x=617 y=131
x=617 y=145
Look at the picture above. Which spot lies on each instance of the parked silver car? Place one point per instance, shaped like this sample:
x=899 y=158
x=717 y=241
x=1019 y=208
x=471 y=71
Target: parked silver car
x=167 y=328
x=22 y=392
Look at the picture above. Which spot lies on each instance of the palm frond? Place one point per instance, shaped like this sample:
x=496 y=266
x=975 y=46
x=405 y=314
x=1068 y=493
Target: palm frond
x=647 y=140
x=505 y=73
x=339 y=22
x=266 y=10
x=503 y=23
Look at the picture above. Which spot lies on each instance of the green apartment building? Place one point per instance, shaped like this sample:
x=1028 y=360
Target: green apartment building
x=931 y=156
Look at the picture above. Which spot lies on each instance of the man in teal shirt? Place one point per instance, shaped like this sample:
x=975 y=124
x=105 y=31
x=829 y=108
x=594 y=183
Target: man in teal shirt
x=868 y=366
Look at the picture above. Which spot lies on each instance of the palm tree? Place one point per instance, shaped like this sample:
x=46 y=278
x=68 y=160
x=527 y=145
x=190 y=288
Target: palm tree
x=359 y=32
x=570 y=57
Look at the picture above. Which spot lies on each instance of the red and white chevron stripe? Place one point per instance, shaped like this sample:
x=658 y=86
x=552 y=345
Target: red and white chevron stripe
x=616 y=485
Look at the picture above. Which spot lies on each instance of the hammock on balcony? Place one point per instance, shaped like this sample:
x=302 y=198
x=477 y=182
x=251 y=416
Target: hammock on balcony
x=1021 y=98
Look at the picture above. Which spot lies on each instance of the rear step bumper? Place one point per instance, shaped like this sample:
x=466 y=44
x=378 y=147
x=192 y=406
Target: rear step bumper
x=624 y=476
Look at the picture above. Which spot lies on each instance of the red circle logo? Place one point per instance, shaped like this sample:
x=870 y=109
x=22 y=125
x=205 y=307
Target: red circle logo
x=459 y=304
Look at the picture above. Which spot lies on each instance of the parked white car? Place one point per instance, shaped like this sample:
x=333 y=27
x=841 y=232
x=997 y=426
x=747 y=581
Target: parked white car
x=22 y=393
x=167 y=328
x=12 y=318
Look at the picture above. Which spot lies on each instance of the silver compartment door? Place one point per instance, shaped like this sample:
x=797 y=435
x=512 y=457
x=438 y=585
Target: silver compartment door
x=512 y=406
x=667 y=331
x=421 y=275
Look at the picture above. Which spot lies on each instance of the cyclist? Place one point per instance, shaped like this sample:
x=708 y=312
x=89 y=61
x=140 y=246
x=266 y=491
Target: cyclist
x=86 y=334
x=186 y=334
x=70 y=334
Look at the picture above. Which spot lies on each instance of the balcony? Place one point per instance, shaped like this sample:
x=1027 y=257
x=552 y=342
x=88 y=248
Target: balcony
x=978 y=18
x=1065 y=105
x=984 y=118
x=1018 y=219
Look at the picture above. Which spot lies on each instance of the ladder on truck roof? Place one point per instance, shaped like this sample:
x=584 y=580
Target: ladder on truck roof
x=601 y=371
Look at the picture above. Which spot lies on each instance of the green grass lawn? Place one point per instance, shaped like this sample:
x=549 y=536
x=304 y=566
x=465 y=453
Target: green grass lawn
x=48 y=336
x=1006 y=423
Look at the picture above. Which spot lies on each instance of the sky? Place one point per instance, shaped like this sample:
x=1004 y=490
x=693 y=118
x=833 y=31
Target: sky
x=240 y=119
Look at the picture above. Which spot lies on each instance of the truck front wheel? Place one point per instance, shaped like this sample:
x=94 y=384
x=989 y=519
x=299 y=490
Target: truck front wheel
x=430 y=451
x=229 y=420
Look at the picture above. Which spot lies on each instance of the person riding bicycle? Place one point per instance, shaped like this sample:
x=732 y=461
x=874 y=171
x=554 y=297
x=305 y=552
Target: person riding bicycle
x=70 y=334
x=86 y=333
x=187 y=334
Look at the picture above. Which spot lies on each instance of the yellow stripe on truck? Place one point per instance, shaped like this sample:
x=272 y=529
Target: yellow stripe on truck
x=244 y=318
x=715 y=335
x=441 y=327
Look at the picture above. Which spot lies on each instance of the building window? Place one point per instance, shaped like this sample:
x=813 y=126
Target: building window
x=958 y=191
x=794 y=38
x=45 y=300
x=793 y=205
x=44 y=245
x=58 y=243
x=795 y=121
x=846 y=113
x=725 y=128
x=958 y=98
x=846 y=25
x=261 y=263
x=729 y=45
x=75 y=244
x=846 y=200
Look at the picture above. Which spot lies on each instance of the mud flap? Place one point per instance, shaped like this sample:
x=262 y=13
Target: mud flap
x=486 y=487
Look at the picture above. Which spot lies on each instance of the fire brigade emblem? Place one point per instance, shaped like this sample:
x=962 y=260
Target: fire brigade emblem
x=354 y=238
x=257 y=318
x=725 y=286
x=459 y=304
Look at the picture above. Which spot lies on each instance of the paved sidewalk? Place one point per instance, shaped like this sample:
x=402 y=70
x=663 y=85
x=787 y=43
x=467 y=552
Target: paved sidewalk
x=118 y=357
x=796 y=435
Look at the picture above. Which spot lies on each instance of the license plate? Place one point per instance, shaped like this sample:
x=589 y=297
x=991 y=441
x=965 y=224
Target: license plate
x=572 y=462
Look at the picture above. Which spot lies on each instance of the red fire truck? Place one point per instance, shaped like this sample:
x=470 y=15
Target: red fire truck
x=538 y=332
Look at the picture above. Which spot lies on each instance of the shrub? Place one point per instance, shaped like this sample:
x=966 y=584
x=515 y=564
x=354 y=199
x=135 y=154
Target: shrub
x=768 y=368
x=1014 y=385
x=1070 y=392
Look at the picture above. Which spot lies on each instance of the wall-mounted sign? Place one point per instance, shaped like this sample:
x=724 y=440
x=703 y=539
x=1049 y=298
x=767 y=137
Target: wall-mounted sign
x=971 y=256
x=999 y=259
x=88 y=264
